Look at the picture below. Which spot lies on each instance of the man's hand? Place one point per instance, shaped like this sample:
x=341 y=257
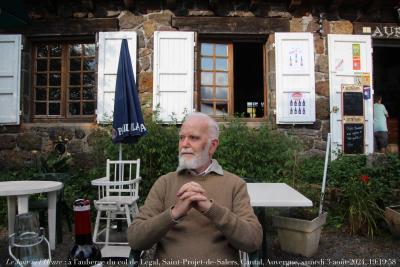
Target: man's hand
x=196 y=194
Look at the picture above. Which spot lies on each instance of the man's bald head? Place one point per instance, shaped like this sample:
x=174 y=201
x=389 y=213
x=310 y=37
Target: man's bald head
x=212 y=125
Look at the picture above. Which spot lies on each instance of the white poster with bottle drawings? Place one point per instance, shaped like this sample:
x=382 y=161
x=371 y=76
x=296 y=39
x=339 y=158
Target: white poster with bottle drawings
x=295 y=58
x=298 y=105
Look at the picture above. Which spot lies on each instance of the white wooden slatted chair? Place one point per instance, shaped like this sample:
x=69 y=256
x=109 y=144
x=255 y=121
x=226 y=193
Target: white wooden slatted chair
x=118 y=194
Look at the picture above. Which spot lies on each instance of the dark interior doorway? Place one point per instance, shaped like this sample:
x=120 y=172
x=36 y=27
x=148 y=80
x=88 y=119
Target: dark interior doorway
x=386 y=79
x=248 y=79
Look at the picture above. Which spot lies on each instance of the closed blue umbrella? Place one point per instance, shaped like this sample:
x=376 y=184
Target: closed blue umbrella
x=128 y=123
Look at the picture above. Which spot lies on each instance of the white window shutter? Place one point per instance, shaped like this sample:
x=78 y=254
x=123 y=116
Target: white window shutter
x=173 y=74
x=10 y=69
x=295 y=78
x=108 y=56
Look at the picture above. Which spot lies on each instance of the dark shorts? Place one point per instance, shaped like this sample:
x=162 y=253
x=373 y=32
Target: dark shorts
x=381 y=140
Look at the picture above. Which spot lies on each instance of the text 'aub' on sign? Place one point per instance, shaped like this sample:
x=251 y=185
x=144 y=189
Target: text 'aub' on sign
x=353 y=138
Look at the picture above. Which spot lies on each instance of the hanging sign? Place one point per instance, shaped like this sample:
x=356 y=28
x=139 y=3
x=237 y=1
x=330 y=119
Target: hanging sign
x=365 y=78
x=367 y=92
x=353 y=138
x=353 y=118
x=362 y=78
x=356 y=57
x=296 y=58
x=297 y=104
x=378 y=30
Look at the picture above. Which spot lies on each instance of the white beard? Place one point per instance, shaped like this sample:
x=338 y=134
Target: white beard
x=198 y=160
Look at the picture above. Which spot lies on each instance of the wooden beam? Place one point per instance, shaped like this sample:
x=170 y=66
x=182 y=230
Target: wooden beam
x=63 y=27
x=231 y=25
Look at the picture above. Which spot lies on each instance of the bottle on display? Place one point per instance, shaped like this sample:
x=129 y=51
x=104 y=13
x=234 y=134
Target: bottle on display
x=84 y=253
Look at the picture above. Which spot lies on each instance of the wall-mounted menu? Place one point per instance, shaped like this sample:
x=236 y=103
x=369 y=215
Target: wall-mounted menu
x=353 y=104
x=353 y=138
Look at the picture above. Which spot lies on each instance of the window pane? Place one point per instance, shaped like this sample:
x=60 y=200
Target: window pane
x=221 y=93
x=89 y=50
x=207 y=49
x=206 y=92
x=74 y=94
x=54 y=108
x=207 y=63
x=55 y=79
x=221 y=78
x=54 y=93
x=41 y=94
x=88 y=108
x=221 y=49
x=41 y=65
x=74 y=78
x=207 y=108
x=55 y=64
x=88 y=93
x=40 y=109
x=221 y=109
x=206 y=78
x=89 y=64
x=74 y=108
x=75 y=64
x=55 y=51
x=88 y=79
x=221 y=64
x=75 y=50
x=42 y=51
x=41 y=79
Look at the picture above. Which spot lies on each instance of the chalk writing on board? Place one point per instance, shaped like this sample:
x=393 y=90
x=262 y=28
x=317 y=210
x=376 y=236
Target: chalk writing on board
x=353 y=138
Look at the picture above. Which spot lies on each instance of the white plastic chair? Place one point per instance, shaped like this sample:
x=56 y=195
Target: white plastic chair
x=118 y=193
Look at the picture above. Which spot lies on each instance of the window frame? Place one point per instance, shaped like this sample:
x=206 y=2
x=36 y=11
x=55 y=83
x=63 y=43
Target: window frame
x=63 y=117
x=230 y=95
x=230 y=39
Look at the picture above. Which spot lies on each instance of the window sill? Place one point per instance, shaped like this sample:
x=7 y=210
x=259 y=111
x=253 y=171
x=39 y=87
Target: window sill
x=250 y=122
x=79 y=124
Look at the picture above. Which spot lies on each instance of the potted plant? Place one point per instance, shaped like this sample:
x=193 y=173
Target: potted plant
x=392 y=217
x=299 y=232
x=299 y=229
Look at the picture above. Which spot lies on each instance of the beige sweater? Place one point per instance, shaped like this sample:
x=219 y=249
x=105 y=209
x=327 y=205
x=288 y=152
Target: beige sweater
x=215 y=236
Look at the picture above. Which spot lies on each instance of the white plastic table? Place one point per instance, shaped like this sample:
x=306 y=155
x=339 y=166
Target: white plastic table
x=268 y=195
x=19 y=192
x=276 y=195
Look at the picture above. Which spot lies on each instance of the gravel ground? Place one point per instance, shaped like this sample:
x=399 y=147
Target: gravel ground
x=336 y=249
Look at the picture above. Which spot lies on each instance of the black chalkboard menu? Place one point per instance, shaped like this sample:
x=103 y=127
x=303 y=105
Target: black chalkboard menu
x=353 y=104
x=353 y=138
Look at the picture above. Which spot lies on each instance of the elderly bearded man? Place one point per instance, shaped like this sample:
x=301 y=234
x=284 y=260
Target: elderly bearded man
x=200 y=214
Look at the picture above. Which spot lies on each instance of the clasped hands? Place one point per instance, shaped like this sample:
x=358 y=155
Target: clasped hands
x=190 y=195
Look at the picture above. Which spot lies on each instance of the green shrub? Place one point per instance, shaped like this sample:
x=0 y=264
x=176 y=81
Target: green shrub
x=260 y=154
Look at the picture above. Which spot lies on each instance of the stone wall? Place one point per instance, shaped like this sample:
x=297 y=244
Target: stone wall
x=21 y=145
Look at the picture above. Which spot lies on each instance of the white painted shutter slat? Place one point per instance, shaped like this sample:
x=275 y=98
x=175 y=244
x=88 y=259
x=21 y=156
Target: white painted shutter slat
x=295 y=78
x=10 y=69
x=173 y=74
x=108 y=57
x=341 y=71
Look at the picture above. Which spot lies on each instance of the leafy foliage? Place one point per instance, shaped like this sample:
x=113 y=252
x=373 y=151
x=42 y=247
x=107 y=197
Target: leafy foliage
x=361 y=202
x=260 y=154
